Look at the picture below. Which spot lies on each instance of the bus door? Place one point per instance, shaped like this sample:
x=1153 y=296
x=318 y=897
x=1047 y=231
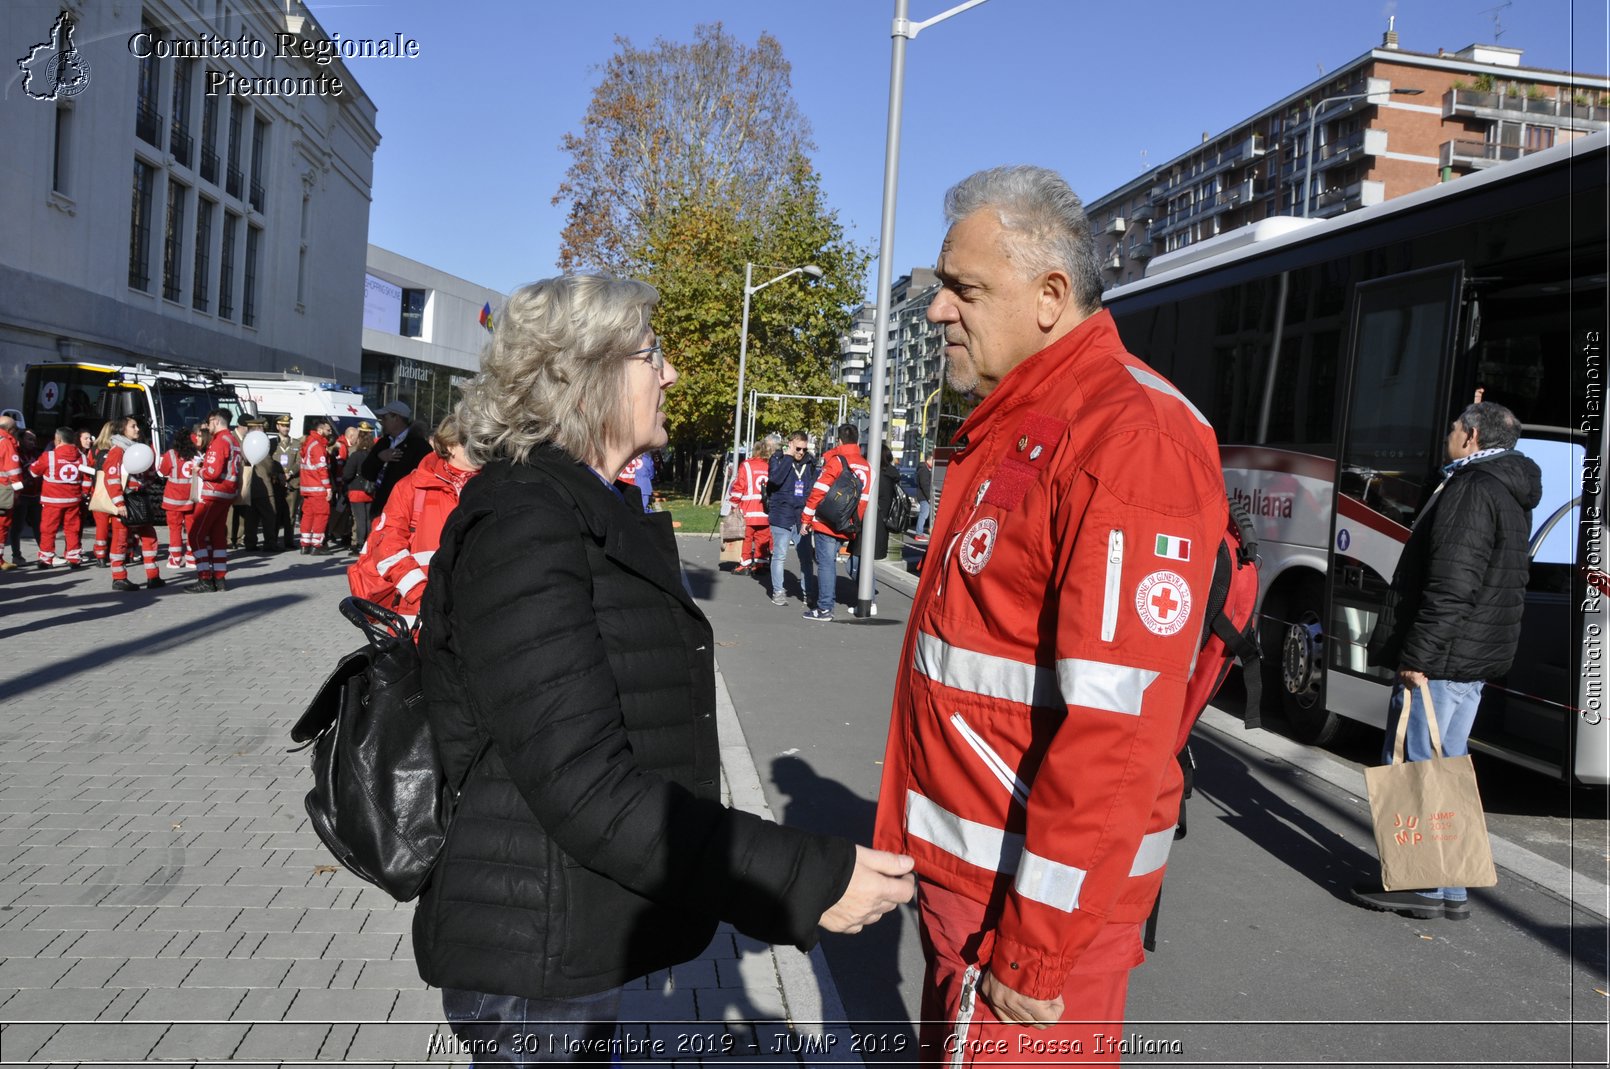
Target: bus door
x=1393 y=435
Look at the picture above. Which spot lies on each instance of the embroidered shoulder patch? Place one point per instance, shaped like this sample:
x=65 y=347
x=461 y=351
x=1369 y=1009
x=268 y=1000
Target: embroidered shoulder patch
x=1163 y=601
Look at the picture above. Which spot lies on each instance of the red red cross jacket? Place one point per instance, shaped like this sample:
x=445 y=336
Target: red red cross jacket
x=220 y=469
x=314 y=477
x=115 y=476
x=88 y=464
x=846 y=455
x=747 y=489
x=395 y=562
x=10 y=462
x=1041 y=688
x=59 y=469
x=179 y=473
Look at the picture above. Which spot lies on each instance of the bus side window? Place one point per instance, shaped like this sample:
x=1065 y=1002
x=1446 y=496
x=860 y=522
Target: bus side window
x=1555 y=520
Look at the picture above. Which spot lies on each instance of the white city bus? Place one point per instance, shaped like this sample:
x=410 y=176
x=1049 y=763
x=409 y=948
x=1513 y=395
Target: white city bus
x=1331 y=357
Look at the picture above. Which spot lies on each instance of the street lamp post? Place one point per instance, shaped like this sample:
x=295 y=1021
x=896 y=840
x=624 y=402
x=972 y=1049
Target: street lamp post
x=743 y=355
x=1313 y=110
x=902 y=30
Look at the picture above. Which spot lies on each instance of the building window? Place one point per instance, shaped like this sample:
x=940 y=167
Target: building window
x=259 y=141
x=173 y=247
x=147 y=121
x=179 y=140
x=60 y=175
x=209 y=139
x=248 y=304
x=1539 y=138
x=226 y=268
x=201 y=272
x=413 y=314
x=301 y=256
x=140 y=227
x=234 y=177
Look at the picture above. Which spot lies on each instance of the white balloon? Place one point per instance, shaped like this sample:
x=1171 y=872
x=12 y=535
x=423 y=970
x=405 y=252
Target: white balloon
x=255 y=446
x=137 y=458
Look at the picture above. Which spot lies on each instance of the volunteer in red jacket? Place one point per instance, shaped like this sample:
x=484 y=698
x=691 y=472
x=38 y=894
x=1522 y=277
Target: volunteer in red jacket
x=178 y=466
x=220 y=485
x=10 y=479
x=124 y=533
x=1031 y=760
x=314 y=484
x=747 y=498
x=828 y=541
x=93 y=448
x=395 y=562
x=61 y=494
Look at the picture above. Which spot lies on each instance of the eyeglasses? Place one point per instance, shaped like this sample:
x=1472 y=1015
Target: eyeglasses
x=653 y=356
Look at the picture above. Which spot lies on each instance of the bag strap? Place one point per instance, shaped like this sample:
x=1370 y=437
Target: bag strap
x=1401 y=737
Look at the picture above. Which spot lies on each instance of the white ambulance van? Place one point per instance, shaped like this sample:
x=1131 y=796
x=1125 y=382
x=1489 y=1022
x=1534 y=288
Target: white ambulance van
x=304 y=400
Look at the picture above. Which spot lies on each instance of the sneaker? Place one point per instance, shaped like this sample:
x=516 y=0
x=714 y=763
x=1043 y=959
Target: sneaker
x=200 y=586
x=6 y=566
x=1409 y=903
x=779 y=598
x=874 y=608
x=819 y=615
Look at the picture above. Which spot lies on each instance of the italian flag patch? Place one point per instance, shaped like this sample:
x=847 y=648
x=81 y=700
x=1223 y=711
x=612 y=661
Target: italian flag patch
x=1173 y=548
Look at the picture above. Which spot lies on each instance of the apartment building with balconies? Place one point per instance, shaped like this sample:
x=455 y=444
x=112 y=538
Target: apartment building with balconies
x=854 y=370
x=1387 y=123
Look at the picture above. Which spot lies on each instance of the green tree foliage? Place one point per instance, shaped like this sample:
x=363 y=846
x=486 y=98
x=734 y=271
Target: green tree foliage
x=713 y=197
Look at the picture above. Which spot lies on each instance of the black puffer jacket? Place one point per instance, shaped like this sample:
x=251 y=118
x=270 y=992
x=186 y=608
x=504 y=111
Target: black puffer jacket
x=588 y=847
x=1455 y=608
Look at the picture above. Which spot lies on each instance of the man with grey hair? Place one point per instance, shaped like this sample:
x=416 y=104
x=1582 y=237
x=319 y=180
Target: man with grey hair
x=1031 y=763
x=1452 y=619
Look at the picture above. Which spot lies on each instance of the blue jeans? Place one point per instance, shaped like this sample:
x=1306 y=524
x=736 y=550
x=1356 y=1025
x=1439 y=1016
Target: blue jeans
x=855 y=565
x=509 y=1030
x=923 y=511
x=1456 y=705
x=781 y=539
x=827 y=568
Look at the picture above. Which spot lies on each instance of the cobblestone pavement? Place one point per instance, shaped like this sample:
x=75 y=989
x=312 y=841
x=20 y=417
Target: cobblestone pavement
x=162 y=896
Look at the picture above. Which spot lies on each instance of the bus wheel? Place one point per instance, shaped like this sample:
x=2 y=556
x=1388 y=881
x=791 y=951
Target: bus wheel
x=1302 y=668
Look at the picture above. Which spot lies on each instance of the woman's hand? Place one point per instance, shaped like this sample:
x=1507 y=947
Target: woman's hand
x=881 y=881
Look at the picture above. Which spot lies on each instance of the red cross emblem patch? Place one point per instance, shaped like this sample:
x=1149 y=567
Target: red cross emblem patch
x=1163 y=601
x=977 y=544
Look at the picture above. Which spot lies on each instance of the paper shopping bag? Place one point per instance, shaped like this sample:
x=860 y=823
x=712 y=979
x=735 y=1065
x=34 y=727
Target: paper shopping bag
x=1429 y=827
x=99 y=499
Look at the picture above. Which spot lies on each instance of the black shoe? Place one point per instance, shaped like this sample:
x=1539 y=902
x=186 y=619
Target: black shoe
x=74 y=565
x=200 y=586
x=306 y=550
x=124 y=584
x=42 y=566
x=1408 y=903
x=152 y=584
x=322 y=551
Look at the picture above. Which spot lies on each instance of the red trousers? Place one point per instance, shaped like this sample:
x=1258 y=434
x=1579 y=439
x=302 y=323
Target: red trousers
x=179 y=523
x=315 y=519
x=5 y=528
x=209 y=538
x=103 y=528
x=65 y=518
x=121 y=537
x=757 y=543
x=1093 y=996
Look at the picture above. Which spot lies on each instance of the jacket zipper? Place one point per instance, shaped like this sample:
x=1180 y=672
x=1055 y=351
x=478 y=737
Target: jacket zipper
x=993 y=761
x=1115 y=577
x=964 y=1017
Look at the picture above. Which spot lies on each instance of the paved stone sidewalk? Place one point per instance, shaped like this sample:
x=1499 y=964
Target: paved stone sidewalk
x=162 y=898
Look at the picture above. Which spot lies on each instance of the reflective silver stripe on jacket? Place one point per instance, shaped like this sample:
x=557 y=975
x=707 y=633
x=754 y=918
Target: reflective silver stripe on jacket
x=1054 y=884
x=1152 y=382
x=991 y=849
x=1094 y=684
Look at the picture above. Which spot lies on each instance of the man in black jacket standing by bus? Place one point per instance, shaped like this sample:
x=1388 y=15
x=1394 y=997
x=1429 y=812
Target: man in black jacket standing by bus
x=1453 y=618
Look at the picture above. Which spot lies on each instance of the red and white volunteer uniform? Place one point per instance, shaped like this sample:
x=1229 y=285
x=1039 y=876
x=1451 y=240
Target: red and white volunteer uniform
x=220 y=485
x=746 y=498
x=848 y=455
x=395 y=562
x=10 y=476
x=178 y=506
x=1031 y=754
x=314 y=485
x=61 y=495
x=103 y=523
x=116 y=480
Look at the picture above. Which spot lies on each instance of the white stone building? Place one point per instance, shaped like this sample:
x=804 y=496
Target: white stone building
x=163 y=196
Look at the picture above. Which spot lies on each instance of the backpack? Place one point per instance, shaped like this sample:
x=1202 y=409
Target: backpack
x=1229 y=633
x=840 y=508
x=898 y=517
x=380 y=800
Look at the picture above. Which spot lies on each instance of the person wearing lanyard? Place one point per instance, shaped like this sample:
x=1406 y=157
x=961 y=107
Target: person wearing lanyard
x=789 y=479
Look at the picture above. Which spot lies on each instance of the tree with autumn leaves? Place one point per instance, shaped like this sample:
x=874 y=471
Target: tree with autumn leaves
x=693 y=160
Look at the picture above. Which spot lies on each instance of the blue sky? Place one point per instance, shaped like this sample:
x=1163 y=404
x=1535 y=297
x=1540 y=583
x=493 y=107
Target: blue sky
x=470 y=157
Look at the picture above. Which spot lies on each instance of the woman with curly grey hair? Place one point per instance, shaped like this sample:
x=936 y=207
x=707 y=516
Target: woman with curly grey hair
x=570 y=682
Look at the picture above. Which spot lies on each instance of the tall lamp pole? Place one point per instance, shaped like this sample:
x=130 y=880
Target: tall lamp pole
x=1313 y=110
x=902 y=30
x=743 y=356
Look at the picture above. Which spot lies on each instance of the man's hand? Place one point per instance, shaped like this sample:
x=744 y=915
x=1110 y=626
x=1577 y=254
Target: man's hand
x=122 y=512
x=389 y=455
x=1410 y=678
x=1013 y=1007
x=881 y=881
